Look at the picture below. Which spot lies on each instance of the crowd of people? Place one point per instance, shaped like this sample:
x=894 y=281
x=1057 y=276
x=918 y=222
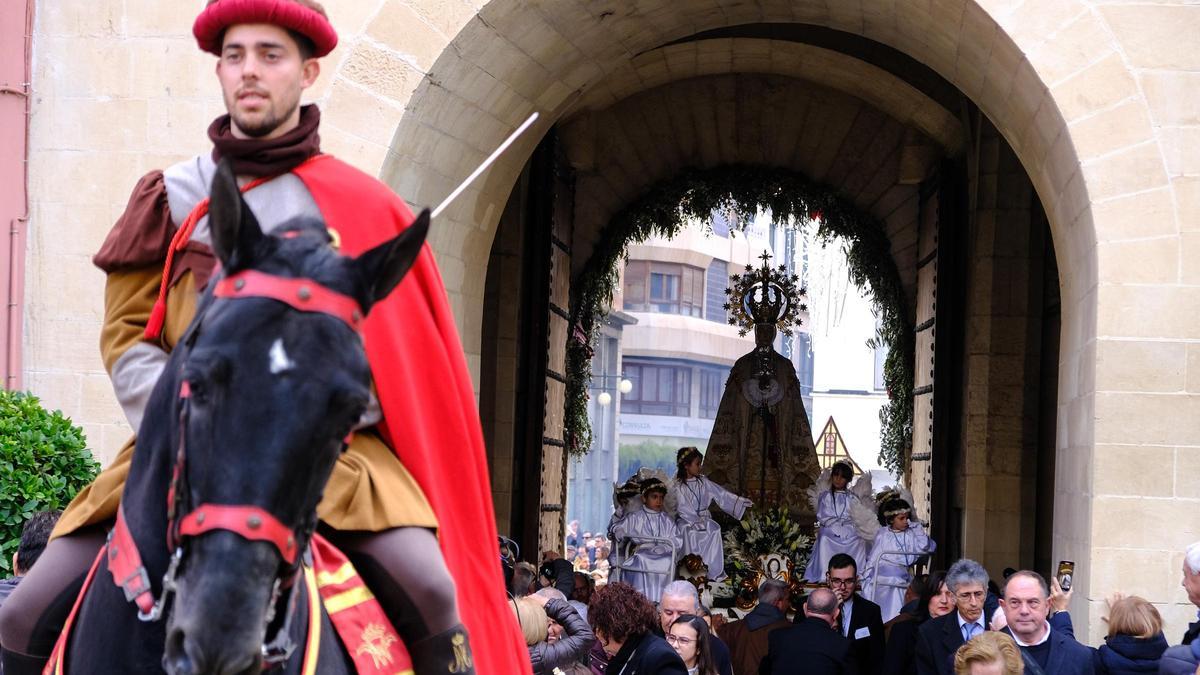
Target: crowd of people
x=957 y=622
x=588 y=552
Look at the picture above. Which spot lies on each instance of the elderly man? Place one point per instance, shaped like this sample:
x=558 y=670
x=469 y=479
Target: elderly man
x=748 y=638
x=1027 y=609
x=1183 y=659
x=812 y=647
x=1191 y=584
x=679 y=598
x=939 y=638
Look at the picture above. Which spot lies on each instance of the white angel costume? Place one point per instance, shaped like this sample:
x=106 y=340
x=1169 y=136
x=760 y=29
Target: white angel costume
x=701 y=534
x=886 y=574
x=846 y=524
x=651 y=566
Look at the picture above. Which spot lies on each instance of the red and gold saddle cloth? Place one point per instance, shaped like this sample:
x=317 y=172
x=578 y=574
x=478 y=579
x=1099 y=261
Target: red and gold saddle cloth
x=361 y=625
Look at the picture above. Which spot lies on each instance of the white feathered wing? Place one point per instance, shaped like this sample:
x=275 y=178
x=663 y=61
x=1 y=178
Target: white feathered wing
x=862 y=510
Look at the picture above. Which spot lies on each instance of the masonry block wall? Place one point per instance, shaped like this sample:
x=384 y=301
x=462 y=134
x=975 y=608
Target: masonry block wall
x=1002 y=353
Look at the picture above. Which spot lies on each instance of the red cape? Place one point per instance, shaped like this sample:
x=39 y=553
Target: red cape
x=429 y=411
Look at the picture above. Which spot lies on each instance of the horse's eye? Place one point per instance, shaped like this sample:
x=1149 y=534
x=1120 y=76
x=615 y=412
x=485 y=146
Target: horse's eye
x=197 y=390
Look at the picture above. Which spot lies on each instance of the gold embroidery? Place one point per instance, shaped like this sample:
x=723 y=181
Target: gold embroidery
x=377 y=642
x=462 y=657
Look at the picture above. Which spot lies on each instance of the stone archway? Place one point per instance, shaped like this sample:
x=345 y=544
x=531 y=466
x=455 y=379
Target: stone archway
x=1080 y=91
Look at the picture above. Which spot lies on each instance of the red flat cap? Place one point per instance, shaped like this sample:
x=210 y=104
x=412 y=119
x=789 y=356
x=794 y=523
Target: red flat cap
x=303 y=16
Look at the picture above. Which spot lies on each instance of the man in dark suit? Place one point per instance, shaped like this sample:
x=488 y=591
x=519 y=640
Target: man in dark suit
x=813 y=646
x=1027 y=610
x=861 y=620
x=939 y=638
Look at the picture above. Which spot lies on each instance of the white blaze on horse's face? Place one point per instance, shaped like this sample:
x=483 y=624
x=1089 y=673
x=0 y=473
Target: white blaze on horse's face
x=280 y=363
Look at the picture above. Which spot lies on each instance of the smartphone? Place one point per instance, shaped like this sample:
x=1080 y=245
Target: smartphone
x=1066 y=572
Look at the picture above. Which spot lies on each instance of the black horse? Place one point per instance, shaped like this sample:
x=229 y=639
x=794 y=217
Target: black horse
x=246 y=422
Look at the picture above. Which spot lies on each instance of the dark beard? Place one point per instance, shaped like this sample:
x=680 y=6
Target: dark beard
x=266 y=126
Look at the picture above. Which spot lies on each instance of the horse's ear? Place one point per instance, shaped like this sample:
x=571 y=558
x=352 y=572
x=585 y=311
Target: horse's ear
x=384 y=266
x=233 y=226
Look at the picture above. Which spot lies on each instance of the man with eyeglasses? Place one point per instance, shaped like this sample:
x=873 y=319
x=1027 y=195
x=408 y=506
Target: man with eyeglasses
x=1044 y=649
x=860 y=620
x=939 y=638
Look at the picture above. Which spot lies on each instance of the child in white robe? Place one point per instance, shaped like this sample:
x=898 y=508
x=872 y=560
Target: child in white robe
x=693 y=494
x=839 y=531
x=651 y=566
x=899 y=544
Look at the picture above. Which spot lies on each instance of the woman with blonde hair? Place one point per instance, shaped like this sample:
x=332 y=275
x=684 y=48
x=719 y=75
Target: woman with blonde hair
x=1135 y=642
x=556 y=635
x=989 y=653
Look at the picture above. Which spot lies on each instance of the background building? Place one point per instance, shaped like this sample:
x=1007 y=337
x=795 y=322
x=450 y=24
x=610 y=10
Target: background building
x=847 y=383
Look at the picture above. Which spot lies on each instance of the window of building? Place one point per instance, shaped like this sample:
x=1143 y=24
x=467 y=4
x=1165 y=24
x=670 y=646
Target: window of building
x=714 y=295
x=720 y=223
x=658 y=389
x=666 y=288
x=712 y=383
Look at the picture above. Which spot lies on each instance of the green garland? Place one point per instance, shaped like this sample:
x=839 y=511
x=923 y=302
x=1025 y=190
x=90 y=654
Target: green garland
x=744 y=190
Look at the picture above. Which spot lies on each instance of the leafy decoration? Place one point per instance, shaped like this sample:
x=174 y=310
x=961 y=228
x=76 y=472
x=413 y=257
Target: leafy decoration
x=763 y=533
x=741 y=191
x=44 y=461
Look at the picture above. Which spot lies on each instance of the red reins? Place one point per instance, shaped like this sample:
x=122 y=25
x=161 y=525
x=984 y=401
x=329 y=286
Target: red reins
x=250 y=522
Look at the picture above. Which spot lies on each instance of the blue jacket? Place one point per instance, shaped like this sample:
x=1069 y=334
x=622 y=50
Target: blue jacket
x=1180 y=660
x=1067 y=657
x=1128 y=655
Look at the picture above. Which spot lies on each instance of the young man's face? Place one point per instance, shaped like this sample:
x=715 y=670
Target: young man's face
x=262 y=76
x=843 y=582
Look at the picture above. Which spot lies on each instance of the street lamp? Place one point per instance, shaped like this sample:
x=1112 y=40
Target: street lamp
x=601 y=382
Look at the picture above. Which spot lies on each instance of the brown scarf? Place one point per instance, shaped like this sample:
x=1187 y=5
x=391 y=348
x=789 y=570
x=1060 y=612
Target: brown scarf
x=256 y=157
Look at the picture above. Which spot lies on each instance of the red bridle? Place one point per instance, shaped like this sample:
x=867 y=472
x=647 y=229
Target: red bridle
x=252 y=523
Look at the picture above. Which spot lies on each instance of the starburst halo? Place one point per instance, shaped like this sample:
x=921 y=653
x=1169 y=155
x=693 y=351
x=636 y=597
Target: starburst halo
x=765 y=295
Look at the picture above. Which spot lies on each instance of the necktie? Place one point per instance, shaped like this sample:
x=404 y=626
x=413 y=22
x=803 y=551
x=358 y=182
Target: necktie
x=970 y=630
x=845 y=622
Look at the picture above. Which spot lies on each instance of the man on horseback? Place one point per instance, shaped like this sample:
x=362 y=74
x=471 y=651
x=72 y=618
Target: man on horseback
x=158 y=258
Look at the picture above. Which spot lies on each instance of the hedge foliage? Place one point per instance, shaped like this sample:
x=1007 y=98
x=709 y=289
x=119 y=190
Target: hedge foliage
x=44 y=461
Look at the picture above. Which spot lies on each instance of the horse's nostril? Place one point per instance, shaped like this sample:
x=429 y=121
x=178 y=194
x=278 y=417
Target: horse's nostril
x=176 y=659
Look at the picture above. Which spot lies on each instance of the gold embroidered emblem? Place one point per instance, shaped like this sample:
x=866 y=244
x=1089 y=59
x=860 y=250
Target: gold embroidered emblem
x=377 y=642
x=462 y=657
